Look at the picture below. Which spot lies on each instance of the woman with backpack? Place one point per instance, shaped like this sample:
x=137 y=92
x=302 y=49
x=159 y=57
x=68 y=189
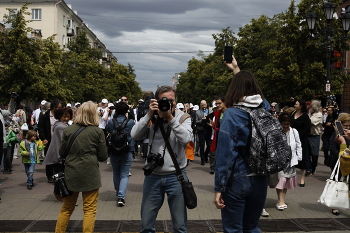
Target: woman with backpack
x=121 y=148
x=239 y=192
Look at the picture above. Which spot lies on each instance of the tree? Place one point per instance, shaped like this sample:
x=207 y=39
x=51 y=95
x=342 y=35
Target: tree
x=18 y=55
x=207 y=78
x=285 y=58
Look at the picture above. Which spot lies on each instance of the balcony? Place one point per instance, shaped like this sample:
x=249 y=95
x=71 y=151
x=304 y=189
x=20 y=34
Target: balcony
x=70 y=32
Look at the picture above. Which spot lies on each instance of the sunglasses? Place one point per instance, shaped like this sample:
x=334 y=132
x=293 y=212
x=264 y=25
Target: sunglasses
x=123 y=99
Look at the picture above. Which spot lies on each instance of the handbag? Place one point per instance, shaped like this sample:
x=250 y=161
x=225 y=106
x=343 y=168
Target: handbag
x=188 y=192
x=273 y=179
x=24 y=127
x=345 y=162
x=336 y=193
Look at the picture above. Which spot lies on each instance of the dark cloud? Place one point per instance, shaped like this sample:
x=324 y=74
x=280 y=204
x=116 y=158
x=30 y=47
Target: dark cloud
x=164 y=25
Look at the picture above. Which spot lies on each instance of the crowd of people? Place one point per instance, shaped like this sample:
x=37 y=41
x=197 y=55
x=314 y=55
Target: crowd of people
x=71 y=140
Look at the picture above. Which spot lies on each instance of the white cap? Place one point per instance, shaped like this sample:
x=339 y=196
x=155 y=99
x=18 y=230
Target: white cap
x=68 y=105
x=180 y=105
x=43 y=102
x=77 y=103
x=196 y=108
x=110 y=105
x=191 y=105
x=140 y=100
x=104 y=101
x=213 y=104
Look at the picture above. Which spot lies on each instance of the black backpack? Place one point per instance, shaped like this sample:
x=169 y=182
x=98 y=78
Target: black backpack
x=269 y=151
x=118 y=138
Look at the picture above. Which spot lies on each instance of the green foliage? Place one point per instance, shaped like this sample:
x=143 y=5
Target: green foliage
x=39 y=69
x=208 y=78
x=281 y=52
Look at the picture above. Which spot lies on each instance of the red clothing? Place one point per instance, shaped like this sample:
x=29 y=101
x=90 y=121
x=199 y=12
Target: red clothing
x=216 y=130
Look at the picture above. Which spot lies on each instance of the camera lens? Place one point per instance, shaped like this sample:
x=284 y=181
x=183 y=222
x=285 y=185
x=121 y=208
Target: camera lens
x=164 y=104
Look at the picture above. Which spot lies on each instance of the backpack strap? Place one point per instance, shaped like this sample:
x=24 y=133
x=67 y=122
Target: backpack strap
x=117 y=125
x=184 y=117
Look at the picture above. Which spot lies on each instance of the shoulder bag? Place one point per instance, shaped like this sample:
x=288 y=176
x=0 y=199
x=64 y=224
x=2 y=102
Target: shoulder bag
x=72 y=140
x=190 y=196
x=336 y=193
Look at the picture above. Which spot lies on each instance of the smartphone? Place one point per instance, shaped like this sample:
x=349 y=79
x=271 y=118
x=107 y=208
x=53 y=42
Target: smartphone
x=228 y=54
x=339 y=128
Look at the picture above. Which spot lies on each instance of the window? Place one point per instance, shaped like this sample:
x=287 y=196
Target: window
x=12 y=13
x=64 y=20
x=70 y=23
x=36 y=14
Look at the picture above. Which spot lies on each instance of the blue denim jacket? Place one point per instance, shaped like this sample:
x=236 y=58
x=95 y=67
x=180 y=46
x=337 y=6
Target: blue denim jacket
x=232 y=146
x=128 y=127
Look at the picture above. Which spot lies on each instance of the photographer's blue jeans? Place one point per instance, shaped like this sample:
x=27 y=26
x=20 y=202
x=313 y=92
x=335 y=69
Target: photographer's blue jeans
x=121 y=167
x=29 y=169
x=244 y=201
x=154 y=188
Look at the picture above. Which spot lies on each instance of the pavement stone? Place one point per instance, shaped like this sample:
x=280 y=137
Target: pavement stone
x=18 y=203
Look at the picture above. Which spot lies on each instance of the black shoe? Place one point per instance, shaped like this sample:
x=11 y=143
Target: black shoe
x=202 y=163
x=302 y=185
x=212 y=171
x=49 y=180
x=308 y=173
x=33 y=185
x=121 y=202
x=336 y=213
x=29 y=187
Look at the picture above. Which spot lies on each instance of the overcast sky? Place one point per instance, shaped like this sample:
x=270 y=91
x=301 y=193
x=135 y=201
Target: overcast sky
x=166 y=26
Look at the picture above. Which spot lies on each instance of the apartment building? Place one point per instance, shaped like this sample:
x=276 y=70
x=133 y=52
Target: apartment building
x=49 y=17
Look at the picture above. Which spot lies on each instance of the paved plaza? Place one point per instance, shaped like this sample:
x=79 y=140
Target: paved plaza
x=22 y=209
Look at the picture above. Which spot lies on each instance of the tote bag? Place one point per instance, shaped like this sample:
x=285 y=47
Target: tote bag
x=335 y=193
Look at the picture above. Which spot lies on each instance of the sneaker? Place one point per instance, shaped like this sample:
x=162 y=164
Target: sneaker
x=308 y=173
x=265 y=213
x=212 y=171
x=109 y=161
x=121 y=202
x=129 y=173
x=15 y=157
x=29 y=187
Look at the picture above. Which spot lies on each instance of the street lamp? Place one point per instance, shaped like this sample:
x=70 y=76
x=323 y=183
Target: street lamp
x=311 y=21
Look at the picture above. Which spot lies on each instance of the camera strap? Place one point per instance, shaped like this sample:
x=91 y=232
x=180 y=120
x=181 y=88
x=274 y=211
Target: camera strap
x=171 y=152
x=72 y=140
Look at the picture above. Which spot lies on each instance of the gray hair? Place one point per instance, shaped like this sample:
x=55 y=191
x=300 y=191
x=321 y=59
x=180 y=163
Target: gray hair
x=315 y=106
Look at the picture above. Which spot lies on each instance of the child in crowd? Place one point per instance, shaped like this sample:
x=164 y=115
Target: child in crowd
x=29 y=151
x=287 y=178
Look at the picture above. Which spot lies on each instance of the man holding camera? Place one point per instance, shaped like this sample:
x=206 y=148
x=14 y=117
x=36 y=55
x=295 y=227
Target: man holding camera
x=160 y=173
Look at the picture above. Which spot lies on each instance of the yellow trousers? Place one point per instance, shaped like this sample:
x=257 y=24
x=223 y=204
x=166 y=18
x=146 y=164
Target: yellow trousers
x=90 y=200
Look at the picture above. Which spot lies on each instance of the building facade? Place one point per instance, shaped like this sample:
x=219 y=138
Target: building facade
x=55 y=17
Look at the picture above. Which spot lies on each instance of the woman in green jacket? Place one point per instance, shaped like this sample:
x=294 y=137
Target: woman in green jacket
x=82 y=172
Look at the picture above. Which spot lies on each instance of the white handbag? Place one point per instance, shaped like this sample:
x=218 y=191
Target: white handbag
x=336 y=193
x=24 y=126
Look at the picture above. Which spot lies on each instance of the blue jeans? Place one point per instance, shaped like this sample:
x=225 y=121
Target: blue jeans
x=29 y=169
x=154 y=188
x=244 y=200
x=121 y=167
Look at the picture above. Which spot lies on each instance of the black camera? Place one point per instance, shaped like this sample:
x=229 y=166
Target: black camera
x=164 y=104
x=13 y=95
x=59 y=177
x=153 y=160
